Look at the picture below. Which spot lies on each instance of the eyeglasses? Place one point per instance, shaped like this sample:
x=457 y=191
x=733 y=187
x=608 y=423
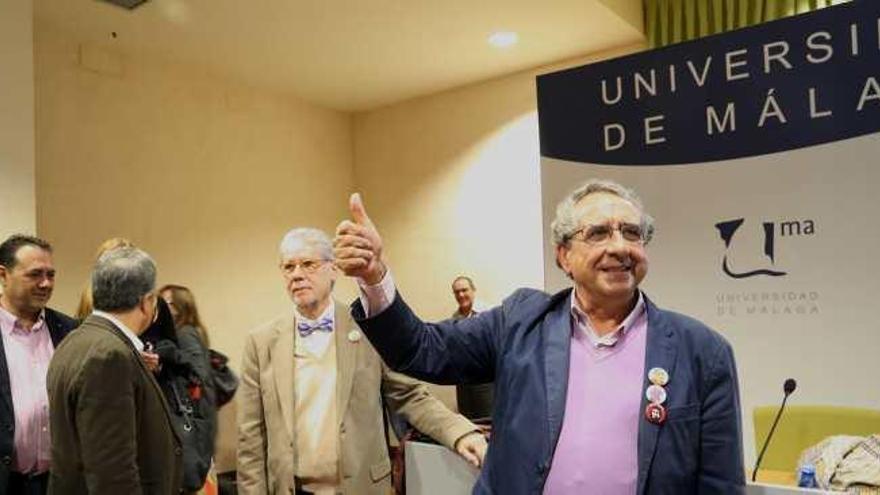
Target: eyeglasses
x=307 y=265
x=600 y=234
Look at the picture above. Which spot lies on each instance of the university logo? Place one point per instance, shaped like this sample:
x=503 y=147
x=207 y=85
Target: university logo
x=728 y=228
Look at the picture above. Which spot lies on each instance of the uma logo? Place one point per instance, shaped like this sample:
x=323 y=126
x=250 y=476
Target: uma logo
x=784 y=229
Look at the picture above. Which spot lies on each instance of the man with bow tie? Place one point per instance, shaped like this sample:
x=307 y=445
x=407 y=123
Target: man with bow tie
x=312 y=387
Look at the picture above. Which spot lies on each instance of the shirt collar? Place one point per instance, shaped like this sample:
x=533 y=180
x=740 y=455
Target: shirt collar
x=135 y=341
x=582 y=322
x=330 y=312
x=10 y=322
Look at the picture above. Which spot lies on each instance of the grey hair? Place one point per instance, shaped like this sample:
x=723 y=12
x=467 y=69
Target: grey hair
x=301 y=237
x=121 y=278
x=567 y=222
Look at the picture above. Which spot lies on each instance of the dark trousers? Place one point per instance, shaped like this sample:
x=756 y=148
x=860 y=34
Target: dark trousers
x=26 y=484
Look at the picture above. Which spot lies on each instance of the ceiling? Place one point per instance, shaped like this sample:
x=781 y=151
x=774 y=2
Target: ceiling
x=354 y=55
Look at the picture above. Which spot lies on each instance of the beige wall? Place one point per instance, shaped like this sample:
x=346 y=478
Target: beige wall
x=452 y=182
x=16 y=118
x=203 y=173
x=207 y=174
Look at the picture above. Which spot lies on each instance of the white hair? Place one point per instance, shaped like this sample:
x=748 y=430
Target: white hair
x=308 y=237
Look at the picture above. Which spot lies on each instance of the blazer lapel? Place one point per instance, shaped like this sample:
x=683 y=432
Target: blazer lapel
x=281 y=357
x=660 y=352
x=346 y=357
x=557 y=350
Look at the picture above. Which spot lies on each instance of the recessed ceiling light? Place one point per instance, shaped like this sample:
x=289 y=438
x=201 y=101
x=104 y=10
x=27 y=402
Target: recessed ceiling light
x=503 y=39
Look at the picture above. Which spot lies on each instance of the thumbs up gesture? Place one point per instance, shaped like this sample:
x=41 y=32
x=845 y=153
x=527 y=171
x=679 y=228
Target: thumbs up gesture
x=357 y=246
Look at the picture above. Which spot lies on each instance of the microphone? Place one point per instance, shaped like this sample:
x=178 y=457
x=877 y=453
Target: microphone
x=787 y=387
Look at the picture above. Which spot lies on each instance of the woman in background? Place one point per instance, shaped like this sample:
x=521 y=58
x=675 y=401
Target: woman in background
x=85 y=299
x=187 y=380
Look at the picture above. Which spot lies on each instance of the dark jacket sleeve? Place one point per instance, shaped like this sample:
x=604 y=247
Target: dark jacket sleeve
x=721 y=451
x=448 y=352
x=188 y=356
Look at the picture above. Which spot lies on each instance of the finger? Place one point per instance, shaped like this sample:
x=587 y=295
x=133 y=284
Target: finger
x=342 y=241
x=348 y=227
x=470 y=457
x=351 y=266
x=358 y=212
x=345 y=253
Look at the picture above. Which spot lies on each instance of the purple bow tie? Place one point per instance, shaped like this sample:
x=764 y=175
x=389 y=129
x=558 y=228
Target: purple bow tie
x=308 y=327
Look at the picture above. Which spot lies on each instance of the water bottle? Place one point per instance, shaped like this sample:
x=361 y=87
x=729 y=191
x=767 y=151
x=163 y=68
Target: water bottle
x=807 y=476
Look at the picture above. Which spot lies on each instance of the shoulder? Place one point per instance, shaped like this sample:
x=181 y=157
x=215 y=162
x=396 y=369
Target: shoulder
x=696 y=336
x=60 y=321
x=189 y=333
x=267 y=332
x=532 y=301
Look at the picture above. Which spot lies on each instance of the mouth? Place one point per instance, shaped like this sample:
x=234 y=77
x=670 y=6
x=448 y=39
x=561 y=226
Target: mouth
x=624 y=268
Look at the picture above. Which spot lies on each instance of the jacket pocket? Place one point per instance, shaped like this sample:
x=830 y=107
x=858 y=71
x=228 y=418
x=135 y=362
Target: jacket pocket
x=380 y=470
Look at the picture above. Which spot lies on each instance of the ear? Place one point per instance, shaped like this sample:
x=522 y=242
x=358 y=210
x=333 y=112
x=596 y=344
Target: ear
x=562 y=259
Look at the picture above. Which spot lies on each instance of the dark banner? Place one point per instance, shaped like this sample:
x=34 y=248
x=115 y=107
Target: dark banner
x=787 y=84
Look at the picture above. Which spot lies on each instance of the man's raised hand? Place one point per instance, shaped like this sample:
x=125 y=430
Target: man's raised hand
x=358 y=246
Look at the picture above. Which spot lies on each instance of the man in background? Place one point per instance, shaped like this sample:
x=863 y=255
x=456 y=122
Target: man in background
x=30 y=332
x=111 y=426
x=310 y=402
x=474 y=400
x=463 y=290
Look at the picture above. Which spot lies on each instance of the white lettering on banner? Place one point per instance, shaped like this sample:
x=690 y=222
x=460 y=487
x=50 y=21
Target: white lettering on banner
x=700 y=79
x=621 y=134
x=650 y=130
x=609 y=101
x=712 y=118
x=813 y=112
x=812 y=45
x=854 y=38
x=870 y=91
x=640 y=82
x=777 y=106
x=779 y=56
x=729 y=64
x=770 y=101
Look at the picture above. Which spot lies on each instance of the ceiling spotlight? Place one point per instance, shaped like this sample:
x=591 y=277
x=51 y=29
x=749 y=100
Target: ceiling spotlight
x=503 y=39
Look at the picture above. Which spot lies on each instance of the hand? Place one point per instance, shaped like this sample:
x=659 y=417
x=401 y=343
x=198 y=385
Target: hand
x=358 y=246
x=472 y=447
x=151 y=360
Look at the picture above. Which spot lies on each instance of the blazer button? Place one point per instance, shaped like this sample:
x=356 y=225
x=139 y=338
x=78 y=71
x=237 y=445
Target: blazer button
x=177 y=451
x=7 y=460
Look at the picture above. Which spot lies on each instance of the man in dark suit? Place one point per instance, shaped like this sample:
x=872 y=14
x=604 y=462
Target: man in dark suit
x=597 y=389
x=111 y=427
x=30 y=332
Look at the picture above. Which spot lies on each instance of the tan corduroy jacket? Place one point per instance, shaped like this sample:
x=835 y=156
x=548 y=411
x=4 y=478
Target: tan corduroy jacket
x=266 y=422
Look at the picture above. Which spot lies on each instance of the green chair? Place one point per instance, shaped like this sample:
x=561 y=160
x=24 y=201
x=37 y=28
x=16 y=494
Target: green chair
x=804 y=426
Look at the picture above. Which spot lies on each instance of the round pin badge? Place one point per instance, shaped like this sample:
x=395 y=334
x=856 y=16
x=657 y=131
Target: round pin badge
x=658 y=376
x=655 y=413
x=656 y=394
x=354 y=336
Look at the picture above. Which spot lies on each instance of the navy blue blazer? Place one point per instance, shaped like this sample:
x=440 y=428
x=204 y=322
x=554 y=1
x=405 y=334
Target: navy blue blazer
x=524 y=345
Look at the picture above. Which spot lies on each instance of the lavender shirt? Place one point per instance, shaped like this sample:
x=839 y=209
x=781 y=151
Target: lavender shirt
x=28 y=352
x=597 y=451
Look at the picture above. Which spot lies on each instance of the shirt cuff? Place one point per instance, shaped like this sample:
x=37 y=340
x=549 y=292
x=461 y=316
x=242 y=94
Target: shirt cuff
x=377 y=298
